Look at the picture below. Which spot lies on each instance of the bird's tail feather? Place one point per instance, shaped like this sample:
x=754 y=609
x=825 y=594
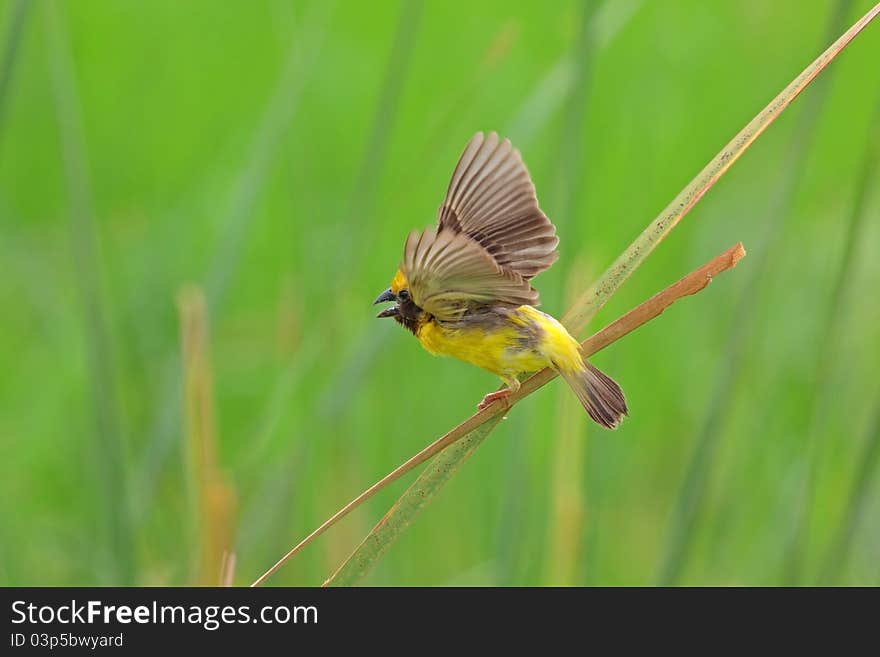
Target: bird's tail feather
x=599 y=394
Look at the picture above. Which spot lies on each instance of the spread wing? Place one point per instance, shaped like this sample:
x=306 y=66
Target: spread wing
x=492 y=200
x=448 y=271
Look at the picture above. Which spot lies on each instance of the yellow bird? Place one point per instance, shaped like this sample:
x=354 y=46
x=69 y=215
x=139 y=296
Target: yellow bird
x=464 y=287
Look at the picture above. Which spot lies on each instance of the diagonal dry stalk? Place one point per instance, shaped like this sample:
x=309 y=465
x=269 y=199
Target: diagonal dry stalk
x=596 y=296
x=690 y=284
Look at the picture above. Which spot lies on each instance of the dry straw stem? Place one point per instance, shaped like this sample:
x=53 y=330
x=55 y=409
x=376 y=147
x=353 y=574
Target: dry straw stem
x=213 y=501
x=690 y=284
x=227 y=569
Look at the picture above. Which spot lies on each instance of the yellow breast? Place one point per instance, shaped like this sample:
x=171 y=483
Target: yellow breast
x=526 y=341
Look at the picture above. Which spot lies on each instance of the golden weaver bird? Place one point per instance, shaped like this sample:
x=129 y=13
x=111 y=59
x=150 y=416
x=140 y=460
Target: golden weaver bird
x=463 y=287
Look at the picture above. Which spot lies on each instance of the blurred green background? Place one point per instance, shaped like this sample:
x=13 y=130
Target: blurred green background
x=275 y=154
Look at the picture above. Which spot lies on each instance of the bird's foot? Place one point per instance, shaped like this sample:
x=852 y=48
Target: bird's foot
x=493 y=397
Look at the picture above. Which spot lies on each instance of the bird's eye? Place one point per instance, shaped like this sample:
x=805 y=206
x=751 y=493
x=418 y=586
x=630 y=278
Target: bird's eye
x=403 y=295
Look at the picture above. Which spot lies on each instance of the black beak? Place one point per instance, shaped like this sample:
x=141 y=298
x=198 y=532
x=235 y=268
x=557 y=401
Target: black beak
x=387 y=295
x=390 y=311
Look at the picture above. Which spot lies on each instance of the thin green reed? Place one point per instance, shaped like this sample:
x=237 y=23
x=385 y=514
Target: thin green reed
x=12 y=42
x=857 y=502
x=375 y=153
x=117 y=566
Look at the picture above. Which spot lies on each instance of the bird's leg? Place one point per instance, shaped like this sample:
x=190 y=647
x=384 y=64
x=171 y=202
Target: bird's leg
x=512 y=386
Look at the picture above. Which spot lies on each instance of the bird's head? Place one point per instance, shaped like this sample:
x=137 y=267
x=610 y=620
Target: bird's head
x=403 y=310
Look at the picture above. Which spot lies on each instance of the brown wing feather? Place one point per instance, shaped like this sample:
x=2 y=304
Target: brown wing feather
x=492 y=200
x=447 y=272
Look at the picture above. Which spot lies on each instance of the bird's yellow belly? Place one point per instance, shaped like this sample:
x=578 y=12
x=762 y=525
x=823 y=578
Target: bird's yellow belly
x=507 y=348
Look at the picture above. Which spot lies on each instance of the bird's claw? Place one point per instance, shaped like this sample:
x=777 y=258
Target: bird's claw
x=492 y=397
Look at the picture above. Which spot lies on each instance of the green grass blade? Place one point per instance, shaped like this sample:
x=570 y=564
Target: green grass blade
x=402 y=514
x=688 y=504
x=566 y=509
x=855 y=508
x=277 y=117
x=118 y=564
x=549 y=94
x=571 y=145
x=363 y=196
x=20 y=12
